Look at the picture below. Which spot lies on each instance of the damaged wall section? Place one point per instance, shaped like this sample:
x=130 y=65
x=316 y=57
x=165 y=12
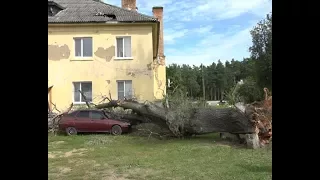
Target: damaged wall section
x=64 y=68
x=57 y=52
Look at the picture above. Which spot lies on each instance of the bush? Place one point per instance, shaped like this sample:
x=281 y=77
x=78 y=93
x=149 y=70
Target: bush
x=232 y=96
x=249 y=91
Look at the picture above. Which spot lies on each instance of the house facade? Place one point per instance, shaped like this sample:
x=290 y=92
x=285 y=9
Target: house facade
x=99 y=48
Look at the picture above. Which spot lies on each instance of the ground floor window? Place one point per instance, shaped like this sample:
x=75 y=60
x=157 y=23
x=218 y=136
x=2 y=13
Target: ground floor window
x=125 y=89
x=86 y=88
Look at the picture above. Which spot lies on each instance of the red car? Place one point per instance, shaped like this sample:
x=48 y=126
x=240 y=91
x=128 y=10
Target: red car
x=91 y=121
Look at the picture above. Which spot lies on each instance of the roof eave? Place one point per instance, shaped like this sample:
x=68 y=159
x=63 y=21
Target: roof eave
x=126 y=9
x=105 y=22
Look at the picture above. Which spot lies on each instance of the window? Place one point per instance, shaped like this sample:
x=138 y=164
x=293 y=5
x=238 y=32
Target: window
x=96 y=115
x=123 y=47
x=85 y=88
x=124 y=89
x=72 y=114
x=83 y=114
x=83 y=47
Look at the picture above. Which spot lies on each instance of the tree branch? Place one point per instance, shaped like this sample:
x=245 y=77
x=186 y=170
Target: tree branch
x=85 y=99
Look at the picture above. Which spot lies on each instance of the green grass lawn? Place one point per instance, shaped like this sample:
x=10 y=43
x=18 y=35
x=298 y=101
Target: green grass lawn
x=127 y=157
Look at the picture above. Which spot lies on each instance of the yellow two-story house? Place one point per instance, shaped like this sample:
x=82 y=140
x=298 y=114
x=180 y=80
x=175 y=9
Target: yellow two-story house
x=97 y=48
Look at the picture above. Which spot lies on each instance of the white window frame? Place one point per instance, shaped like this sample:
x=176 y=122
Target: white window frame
x=124 y=87
x=116 y=49
x=80 y=102
x=81 y=38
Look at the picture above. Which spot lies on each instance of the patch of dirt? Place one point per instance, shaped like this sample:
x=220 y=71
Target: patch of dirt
x=112 y=175
x=130 y=173
x=99 y=141
x=73 y=152
x=55 y=144
x=58 y=154
x=64 y=170
x=53 y=154
x=79 y=162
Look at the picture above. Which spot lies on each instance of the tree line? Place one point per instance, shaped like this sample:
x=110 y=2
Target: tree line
x=215 y=81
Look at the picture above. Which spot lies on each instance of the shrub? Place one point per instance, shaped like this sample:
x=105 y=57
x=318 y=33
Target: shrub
x=249 y=91
x=232 y=96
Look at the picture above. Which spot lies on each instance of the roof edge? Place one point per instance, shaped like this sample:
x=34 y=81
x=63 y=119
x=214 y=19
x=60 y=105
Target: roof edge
x=147 y=16
x=107 y=22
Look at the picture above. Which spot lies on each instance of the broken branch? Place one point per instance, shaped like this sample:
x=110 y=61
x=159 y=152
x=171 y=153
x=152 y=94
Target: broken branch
x=85 y=99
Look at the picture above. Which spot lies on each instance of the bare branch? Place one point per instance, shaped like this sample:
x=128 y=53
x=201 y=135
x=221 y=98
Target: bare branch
x=57 y=118
x=104 y=98
x=85 y=99
x=110 y=98
x=175 y=89
x=55 y=107
x=150 y=133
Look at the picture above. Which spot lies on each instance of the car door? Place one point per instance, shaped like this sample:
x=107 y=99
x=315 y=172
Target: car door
x=82 y=121
x=99 y=122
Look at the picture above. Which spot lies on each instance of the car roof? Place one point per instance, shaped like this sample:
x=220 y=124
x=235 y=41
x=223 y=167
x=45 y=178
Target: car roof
x=91 y=110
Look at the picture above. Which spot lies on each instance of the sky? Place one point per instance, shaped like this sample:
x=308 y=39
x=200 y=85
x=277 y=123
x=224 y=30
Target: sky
x=204 y=31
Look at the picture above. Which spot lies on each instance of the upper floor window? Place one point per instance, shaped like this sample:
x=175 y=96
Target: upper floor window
x=83 y=47
x=123 y=47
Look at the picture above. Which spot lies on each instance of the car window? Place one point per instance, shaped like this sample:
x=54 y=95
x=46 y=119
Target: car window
x=72 y=114
x=96 y=115
x=83 y=114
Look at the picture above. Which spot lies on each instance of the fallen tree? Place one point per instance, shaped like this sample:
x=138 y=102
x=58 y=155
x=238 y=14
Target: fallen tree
x=195 y=121
x=183 y=119
x=53 y=118
x=253 y=120
x=260 y=113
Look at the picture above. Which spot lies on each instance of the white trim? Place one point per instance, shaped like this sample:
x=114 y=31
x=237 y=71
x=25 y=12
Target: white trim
x=81 y=48
x=116 y=49
x=130 y=58
x=81 y=89
x=124 y=88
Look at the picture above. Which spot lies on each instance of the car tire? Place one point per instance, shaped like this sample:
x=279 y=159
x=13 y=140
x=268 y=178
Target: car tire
x=116 y=130
x=71 y=131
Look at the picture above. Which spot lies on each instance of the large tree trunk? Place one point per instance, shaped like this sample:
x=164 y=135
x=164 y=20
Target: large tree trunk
x=195 y=121
x=221 y=95
x=254 y=120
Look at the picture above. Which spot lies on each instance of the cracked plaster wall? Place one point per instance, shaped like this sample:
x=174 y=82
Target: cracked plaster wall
x=102 y=69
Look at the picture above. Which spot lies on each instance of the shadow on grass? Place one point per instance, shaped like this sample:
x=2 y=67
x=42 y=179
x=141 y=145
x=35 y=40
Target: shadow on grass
x=255 y=168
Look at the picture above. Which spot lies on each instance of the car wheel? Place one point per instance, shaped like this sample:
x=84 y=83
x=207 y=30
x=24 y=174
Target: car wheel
x=71 y=131
x=116 y=130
